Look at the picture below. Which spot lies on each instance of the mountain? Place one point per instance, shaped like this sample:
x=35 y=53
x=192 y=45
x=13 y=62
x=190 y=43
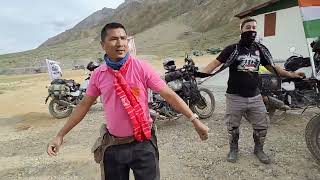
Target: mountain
x=161 y=28
x=82 y=29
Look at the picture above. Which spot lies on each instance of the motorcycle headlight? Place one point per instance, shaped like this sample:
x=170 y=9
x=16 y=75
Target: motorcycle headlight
x=175 y=85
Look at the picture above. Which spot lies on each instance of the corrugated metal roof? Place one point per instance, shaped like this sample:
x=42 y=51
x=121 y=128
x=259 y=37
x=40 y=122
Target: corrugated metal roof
x=246 y=12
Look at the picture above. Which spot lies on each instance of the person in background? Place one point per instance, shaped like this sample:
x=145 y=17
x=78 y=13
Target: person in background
x=243 y=98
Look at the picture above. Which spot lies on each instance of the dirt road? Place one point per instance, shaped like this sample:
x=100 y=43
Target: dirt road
x=26 y=127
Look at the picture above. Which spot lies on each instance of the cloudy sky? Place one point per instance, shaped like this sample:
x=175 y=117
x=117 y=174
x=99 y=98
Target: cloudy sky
x=27 y=24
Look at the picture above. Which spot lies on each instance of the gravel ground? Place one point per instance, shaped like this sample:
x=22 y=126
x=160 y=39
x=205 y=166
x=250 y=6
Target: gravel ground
x=182 y=155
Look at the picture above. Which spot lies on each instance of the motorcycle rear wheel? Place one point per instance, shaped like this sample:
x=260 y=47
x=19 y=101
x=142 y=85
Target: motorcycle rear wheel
x=58 y=111
x=198 y=108
x=312 y=136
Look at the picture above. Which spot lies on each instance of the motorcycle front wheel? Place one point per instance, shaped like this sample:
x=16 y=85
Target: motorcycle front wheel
x=312 y=136
x=59 y=111
x=206 y=105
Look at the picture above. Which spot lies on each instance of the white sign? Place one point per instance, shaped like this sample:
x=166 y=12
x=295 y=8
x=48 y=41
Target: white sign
x=54 y=69
x=132 y=46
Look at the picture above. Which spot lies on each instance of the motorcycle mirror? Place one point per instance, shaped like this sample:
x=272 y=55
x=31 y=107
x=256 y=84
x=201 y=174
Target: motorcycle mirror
x=292 y=49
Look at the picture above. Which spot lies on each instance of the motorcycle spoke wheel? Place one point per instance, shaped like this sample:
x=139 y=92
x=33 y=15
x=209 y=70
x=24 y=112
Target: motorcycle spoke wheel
x=206 y=105
x=59 y=108
x=58 y=111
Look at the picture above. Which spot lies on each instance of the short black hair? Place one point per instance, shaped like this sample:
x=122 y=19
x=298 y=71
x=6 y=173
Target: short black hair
x=113 y=25
x=246 y=21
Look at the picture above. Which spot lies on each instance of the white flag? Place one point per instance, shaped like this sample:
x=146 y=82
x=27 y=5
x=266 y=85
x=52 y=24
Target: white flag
x=54 y=69
x=132 y=46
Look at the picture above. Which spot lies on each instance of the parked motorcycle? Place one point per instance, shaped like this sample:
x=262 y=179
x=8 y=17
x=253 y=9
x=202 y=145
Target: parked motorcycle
x=296 y=93
x=300 y=93
x=67 y=94
x=312 y=132
x=183 y=81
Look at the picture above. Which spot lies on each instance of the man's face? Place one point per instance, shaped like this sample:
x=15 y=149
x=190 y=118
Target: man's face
x=115 y=44
x=249 y=26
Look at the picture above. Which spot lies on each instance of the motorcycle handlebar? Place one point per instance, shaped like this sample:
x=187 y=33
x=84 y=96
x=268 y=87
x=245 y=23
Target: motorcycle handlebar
x=171 y=76
x=202 y=75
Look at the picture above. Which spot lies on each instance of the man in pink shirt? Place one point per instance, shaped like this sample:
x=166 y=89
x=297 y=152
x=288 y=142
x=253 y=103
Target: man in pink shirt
x=123 y=82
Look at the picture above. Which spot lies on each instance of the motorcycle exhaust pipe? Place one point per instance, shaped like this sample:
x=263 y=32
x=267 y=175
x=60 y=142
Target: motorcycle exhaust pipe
x=154 y=115
x=278 y=104
x=275 y=102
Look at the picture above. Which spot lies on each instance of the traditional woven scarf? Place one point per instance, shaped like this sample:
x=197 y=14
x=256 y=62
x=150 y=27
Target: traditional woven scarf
x=141 y=127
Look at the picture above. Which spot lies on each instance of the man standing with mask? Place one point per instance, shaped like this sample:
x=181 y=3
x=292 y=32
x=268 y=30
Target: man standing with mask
x=123 y=81
x=243 y=98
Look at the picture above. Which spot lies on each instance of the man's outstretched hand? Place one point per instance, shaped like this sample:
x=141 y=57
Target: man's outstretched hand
x=201 y=129
x=54 y=146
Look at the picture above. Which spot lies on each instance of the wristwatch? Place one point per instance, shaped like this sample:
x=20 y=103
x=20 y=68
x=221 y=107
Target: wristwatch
x=193 y=117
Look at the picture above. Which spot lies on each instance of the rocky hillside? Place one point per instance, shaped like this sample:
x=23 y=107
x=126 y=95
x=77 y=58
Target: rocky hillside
x=160 y=27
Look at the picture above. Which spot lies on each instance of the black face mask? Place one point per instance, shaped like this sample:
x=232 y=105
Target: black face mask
x=248 y=37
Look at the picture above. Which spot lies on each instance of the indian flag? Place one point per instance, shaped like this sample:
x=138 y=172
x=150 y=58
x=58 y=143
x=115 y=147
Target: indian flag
x=310 y=10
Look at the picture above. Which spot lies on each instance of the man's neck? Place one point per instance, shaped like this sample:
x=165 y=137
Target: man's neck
x=248 y=46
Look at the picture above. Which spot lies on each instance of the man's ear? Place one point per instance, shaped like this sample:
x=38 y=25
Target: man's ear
x=102 y=44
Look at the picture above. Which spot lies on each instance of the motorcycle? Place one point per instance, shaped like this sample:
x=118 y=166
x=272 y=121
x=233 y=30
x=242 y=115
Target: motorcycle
x=66 y=94
x=296 y=93
x=300 y=93
x=312 y=131
x=184 y=82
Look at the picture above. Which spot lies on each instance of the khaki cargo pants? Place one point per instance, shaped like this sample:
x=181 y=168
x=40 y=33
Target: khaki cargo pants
x=252 y=108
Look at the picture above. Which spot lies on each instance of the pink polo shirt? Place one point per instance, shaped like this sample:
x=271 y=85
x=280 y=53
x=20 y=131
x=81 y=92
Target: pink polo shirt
x=140 y=76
